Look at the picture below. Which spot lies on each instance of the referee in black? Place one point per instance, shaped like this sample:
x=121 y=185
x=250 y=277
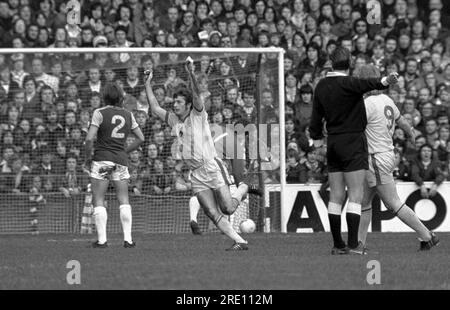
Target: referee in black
x=338 y=101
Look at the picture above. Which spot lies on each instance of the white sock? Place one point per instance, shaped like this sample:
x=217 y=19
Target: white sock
x=354 y=208
x=126 y=219
x=334 y=208
x=101 y=218
x=364 y=222
x=194 y=207
x=407 y=216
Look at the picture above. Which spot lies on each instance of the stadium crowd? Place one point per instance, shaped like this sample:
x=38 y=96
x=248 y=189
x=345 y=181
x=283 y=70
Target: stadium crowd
x=46 y=100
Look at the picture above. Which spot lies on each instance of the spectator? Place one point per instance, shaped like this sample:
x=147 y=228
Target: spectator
x=18 y=73
x=22 y=136
x=163 y=148
x=7 y=86
x=303 y=109
x=54 y=130
x=248 y=111
x=409 y=107
x=133 y=86
x=7 y=140
x=135 y=161
x=12 y=119
x=95 y=101
x=442 y=144
x=135 y=182
x=311 y=171
x=292 y=92
x=152 y=154
x=402 y=168
x=170 y=23
x=147 y=25
x=426 y=168
x=143 y=121
x=325 y=30
x=75 y=142
x=344 y=26
x=124 y=21
x=39 y=75
x=173 y=81
x=313 y=59
x=157 y=182
x=16 y=181
x=45 y=165
x=71 y=183
x=292 y=167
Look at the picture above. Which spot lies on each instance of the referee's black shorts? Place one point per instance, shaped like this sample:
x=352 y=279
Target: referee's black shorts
x=347 y=152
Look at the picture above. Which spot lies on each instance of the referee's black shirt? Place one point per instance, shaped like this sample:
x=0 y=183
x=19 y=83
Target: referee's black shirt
x=339 y=100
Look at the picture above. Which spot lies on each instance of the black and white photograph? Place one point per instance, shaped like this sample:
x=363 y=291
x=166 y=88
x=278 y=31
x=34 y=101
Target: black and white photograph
x=224 y=152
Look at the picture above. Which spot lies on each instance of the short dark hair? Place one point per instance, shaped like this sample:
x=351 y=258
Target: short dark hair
x=184 y=93
x=306 y=89
x=112 y=94
x=340 y=58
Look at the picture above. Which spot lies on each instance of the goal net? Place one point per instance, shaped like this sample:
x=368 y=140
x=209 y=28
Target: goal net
x=45 y=113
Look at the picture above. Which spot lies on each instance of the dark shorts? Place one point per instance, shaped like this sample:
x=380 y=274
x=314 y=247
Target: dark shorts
x=347 y=152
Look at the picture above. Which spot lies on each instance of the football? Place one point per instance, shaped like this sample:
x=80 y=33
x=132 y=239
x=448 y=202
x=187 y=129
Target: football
x=248 y=226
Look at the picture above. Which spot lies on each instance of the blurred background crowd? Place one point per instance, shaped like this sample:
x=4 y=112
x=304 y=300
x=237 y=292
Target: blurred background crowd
x=46 y=100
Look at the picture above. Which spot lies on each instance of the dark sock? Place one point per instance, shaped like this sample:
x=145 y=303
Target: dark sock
x=353 y=226
x=335 y=226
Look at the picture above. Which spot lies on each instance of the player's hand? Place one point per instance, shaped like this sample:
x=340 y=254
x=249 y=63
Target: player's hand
x=424 y=191
x=189 y=65
x=148 y=76
x=392 y=78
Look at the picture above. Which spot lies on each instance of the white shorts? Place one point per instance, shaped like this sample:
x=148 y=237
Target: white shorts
x=212 y=175
x=107 y=170
x=381 y=166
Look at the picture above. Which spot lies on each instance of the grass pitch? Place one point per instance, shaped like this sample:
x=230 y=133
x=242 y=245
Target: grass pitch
x=187 y=262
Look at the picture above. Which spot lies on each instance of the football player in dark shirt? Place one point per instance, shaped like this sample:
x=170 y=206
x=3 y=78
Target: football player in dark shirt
x=111 y=125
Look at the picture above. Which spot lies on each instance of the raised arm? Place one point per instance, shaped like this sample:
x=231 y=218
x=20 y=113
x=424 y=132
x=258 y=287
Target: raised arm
x=361 y=86
x=154 y=105
x=197 y=101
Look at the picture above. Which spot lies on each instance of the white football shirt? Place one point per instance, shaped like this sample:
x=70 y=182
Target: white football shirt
x=382 y=114
x=194 y=143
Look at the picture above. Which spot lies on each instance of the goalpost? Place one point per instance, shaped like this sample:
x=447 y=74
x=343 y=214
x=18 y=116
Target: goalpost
x=235 y=76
